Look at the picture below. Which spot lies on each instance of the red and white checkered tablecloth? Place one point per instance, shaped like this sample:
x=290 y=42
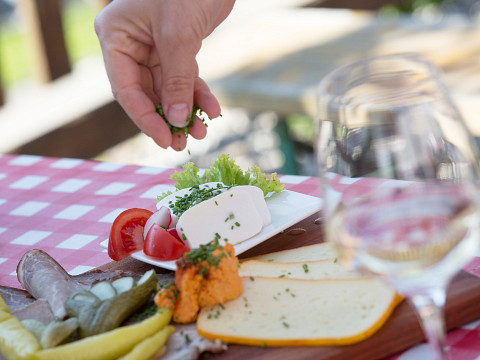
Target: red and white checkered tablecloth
x=66 y=206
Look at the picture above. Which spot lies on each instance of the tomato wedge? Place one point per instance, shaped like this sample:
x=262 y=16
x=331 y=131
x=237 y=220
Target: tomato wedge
x=162 y=245
x=126 y=234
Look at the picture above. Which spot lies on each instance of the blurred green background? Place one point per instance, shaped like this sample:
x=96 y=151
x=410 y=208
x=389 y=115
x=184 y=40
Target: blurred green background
x=15 y=53
x=78 y=15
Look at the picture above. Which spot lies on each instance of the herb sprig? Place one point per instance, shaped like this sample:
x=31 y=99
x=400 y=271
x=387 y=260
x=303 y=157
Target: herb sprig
x=196 y=111
x=195 y=196
x=203 y=253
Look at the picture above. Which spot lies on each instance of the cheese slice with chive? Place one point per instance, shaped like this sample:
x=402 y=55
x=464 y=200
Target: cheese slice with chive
x=298 y=312
x=230 y=217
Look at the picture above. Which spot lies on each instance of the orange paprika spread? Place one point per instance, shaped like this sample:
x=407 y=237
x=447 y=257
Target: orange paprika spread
x=205 y=276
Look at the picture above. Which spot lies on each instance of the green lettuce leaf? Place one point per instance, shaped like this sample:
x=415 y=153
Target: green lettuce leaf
x=226 y=171
x=188 y=177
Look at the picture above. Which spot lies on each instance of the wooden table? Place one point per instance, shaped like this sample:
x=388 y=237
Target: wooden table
x=401 y=331
x=66 y=206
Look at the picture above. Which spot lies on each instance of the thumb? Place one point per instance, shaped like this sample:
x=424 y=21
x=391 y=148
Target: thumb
x=179 y=70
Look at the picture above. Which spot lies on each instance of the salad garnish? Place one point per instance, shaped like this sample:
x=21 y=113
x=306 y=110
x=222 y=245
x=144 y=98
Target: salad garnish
x=224 y=170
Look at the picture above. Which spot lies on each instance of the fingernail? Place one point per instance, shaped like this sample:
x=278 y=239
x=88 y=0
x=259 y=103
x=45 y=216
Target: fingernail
x=177 y=115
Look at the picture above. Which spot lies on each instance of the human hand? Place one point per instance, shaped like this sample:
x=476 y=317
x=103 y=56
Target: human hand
x=149 y=49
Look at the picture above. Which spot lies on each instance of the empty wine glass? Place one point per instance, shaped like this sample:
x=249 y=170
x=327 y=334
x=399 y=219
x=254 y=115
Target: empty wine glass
x=400 y=179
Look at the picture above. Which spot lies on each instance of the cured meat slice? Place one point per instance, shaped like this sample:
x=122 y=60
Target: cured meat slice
x=15 y=298
x=44 y=278
x=39 y=310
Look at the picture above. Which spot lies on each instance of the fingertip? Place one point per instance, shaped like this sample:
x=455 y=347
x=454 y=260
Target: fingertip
x=206 y=101
x=161 y=140
x=198 y=130
x=179 y=141
x=154 y=126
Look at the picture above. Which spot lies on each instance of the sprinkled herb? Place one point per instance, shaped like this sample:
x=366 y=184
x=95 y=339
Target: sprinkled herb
x=281 y=276
x=203 y=253
x=230 y=217
x=237 y=224
x=285 y=324
x=187 y=338
x=264 y=345
x=335 y=260
x=270 y=260
x=287 y=290
x=194 y=197
x=190 y=119
x=221 y=305
x=252 y=278
x=305 y=268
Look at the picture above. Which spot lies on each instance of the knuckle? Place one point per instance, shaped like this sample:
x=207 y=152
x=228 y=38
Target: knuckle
x=178 y=84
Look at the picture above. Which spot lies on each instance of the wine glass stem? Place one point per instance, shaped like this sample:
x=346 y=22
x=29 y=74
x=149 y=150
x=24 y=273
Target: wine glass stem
x=429 y=305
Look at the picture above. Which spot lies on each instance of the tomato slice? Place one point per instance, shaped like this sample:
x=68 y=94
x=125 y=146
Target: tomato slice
x=162 y=245
x=126 y=234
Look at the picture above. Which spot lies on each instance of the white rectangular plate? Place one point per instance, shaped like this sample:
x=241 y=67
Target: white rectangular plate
x=286 y=208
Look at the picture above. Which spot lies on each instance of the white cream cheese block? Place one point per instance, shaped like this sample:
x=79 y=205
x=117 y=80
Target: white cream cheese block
x=256 y=194
x=231 y=216
x=167 y=200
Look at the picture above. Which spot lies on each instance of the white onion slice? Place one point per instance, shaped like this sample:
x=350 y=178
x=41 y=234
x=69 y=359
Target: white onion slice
x=161 y=217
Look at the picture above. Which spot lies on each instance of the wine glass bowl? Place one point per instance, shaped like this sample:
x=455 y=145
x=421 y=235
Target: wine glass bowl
x=389 y=120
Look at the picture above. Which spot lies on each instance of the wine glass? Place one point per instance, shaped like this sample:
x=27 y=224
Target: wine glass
x=400 y=180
